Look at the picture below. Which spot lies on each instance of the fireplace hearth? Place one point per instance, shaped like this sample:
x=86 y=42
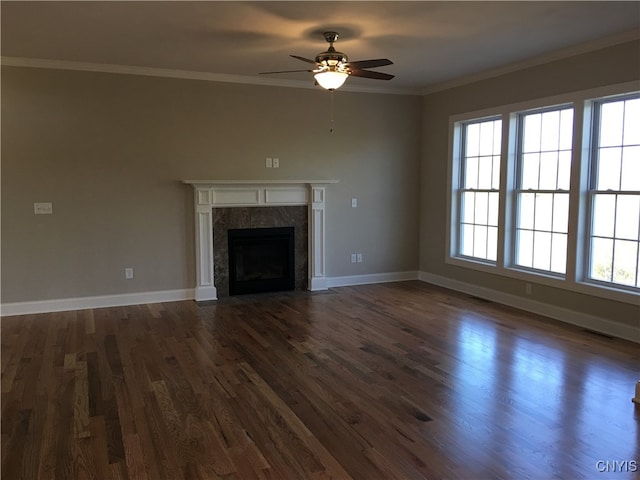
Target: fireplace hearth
x=261 y=260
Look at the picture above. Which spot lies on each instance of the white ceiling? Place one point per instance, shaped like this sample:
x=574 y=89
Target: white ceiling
x=430 y=43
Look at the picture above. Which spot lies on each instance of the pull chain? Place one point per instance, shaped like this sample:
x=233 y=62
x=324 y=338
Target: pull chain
x=331 y=120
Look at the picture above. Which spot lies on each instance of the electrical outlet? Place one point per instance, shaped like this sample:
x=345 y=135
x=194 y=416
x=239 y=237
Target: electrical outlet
x=276 y=162
x=358 y=258
x=128 y=273
x=354 y=258
x=268 y=162
x=354 y=203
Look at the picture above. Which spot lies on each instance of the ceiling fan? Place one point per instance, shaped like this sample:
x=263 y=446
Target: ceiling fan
x=332 y=67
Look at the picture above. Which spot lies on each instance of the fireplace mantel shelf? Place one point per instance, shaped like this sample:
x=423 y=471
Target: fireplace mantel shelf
x=258 y=182
x=210 y=194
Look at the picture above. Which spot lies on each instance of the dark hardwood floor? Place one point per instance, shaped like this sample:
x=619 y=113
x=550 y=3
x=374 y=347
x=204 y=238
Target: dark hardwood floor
x=392 y=381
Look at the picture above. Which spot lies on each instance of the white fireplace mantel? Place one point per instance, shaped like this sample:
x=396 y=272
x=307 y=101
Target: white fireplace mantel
x=210 y=194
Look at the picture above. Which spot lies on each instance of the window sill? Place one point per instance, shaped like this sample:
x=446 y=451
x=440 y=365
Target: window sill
x=586 y=288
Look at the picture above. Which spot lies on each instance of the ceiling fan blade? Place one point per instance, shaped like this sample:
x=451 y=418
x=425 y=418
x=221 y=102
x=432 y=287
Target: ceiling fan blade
x=284 y=71
x=308 y=60
x=369 y=74
x=379 y=62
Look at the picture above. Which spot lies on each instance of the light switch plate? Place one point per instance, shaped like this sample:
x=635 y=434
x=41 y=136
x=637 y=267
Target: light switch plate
x=43 y=208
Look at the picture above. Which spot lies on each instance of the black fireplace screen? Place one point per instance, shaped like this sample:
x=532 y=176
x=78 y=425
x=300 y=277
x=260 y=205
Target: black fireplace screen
x=261 y=260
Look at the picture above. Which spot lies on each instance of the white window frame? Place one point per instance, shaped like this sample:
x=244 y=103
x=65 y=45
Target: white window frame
x=576 y=278
x=518 y=188
x=461 y=189
x=592 y=190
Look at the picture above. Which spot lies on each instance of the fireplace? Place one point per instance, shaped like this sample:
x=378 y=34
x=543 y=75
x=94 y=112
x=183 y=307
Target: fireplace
x=233 y=198
x=261 y=260
x=260 y=220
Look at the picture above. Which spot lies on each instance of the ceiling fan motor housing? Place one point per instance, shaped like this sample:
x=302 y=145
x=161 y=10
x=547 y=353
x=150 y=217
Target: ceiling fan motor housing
x=331 y=57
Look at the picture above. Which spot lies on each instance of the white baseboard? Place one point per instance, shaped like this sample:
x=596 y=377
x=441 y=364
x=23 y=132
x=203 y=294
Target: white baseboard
x=349 y=280
x=583 y=320
x=83 y=303
x=104 y=301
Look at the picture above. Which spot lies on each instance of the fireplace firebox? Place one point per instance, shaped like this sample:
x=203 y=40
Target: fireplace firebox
x=261 y=260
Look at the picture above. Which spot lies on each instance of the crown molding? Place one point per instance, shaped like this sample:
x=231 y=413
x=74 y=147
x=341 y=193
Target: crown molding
x=609 y=41
x=186 y=74
x=586 y=47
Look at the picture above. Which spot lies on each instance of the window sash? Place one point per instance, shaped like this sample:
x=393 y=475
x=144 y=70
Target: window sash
x=491 y=228
x=616 y=240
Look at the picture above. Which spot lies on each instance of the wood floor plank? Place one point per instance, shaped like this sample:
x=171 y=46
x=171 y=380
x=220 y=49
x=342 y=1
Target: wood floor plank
x=389 y=381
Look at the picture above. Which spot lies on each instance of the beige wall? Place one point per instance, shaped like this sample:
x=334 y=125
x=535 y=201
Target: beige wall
x=110 y=150
x=603 y=67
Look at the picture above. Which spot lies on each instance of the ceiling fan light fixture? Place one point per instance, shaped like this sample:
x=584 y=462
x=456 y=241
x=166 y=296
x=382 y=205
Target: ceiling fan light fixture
x=331 y=80
x=333 y=67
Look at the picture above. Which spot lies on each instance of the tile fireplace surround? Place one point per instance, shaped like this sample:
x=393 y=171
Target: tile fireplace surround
x=210 y=194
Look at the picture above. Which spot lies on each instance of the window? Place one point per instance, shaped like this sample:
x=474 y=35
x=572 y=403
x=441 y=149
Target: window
x=615 y=193
x=549 y=191
x=478 y=192
x=542 y=189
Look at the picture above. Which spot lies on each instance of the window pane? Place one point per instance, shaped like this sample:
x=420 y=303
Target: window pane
x=481 y=208
x=632 y=122
x=604 y=214
x=471 y=172
x=550 y=132
x=493 y=209
x=472 y=148
x=631 y=167
x=486 y=138
x=531 y=126
x=530 y=169
x=601 y=259
x=609 y=169
x=611 y=116
x=558 y=252
x=495 y=180
x=467 y=240
x=628 y=217
x=526 y=205
x=548 y=170
x=542 y=250
x=544 y=211
x=624 y=262
x=566 y=129
x=485 y=172
x=525 y=248
x=497 y=137
x=492 y=243
x=560 y=212
x=564 y=170
x=468 y=207
x=480 y=242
